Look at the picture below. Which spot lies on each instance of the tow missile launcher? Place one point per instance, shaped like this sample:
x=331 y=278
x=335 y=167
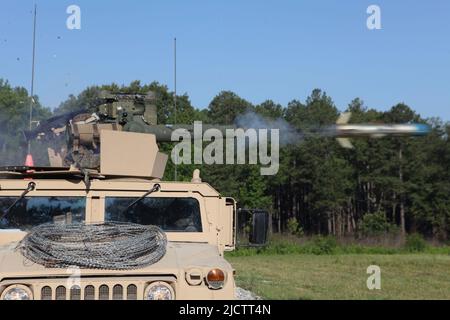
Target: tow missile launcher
x=138 y=113
x=112 y=112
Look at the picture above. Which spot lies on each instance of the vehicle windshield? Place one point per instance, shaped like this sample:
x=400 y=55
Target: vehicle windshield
x=170 y=214
x=33 y=211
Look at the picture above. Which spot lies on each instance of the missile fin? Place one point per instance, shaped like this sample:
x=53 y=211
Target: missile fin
x=345 y=143
x=344 y=118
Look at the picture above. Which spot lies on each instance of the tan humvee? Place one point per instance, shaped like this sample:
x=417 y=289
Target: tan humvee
x=198 y=221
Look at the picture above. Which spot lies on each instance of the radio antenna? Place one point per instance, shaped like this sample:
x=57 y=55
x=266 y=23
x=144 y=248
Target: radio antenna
x=175 y=92
x=29 y=159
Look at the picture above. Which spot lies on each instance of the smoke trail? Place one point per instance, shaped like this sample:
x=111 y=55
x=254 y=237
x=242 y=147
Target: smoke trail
x=12 y=152
x=288 y=134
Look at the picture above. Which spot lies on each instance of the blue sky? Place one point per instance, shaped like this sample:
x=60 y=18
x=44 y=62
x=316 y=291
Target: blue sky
x=278 y=50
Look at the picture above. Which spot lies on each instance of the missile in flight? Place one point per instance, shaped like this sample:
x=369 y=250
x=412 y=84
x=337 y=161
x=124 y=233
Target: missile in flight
x=342 y=130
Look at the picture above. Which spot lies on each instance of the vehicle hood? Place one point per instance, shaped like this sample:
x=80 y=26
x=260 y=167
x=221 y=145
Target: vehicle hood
x=179 y=257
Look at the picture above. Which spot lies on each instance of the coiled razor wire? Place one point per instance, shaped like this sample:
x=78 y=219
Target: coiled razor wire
x=109 y=245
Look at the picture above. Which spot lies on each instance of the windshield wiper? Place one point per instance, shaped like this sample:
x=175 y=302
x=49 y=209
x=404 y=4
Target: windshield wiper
x=155 y=188
x=31 y=187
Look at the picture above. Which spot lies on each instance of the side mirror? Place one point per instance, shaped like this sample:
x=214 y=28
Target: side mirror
x=260 y=227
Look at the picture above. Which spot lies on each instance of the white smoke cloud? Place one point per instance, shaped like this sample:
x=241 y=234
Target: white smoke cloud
x=288 y=133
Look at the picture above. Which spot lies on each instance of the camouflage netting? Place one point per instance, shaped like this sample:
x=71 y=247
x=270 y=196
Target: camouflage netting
x=111 y=245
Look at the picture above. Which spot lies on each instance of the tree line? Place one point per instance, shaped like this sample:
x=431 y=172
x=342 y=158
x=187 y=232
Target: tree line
x=399 y=185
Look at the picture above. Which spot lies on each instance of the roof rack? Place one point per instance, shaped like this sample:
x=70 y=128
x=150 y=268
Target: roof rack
x=23 y=169
x=46 y=172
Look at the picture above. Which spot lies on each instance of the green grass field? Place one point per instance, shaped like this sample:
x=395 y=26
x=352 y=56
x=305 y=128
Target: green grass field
x=343 y=276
